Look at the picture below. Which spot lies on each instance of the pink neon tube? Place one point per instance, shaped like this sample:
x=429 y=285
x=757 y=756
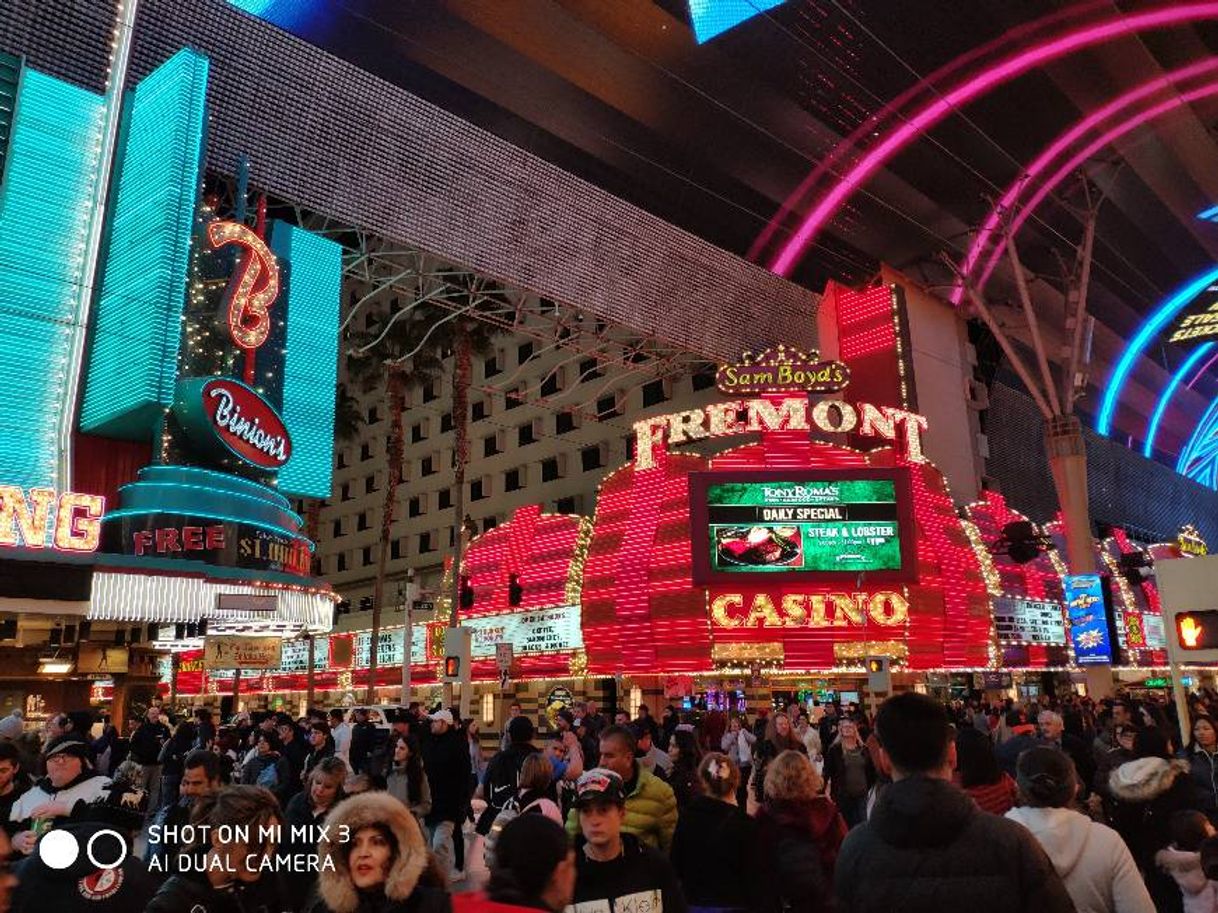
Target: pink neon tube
x=1059 y=145
x=962 y=95
x=1205 y=367
x=1097 y=144
x=925 y=85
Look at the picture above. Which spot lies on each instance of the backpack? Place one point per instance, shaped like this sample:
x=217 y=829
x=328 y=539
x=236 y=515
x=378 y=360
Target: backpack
x=510 y=812
x=268 y=777
x=502 y=785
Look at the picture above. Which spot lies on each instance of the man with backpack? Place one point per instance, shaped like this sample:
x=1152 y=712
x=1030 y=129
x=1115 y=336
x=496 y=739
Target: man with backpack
x=502 y=779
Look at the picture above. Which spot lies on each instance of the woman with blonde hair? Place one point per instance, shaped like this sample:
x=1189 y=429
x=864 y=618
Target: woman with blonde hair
x=715 y=840
x=801 y=832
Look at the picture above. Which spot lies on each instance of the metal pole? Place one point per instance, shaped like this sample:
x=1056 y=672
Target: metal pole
x=1025 y=297
x=1080 y=311
x=309 y=680
x=1181 y=696
x=407 y=635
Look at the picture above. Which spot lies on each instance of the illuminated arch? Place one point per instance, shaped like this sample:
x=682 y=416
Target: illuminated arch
x=945 y=104
x=1152 y=428
x=1199 y=458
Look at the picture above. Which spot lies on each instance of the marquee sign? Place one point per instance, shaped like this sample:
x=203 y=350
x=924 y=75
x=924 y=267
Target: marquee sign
x=736 y=417
x=1191 y=543
x=813 y=610
x=227 y=417
x=241 y=652
x=782 y=370
x=1029 y=621
x=534 y=631
x=42 y=518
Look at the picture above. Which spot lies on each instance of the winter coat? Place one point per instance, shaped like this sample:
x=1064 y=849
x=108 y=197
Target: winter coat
x=192 y=892
x=252 y=769
x=1148 y=792
x=1203 y=772
x=835 y=773
x=651 y=810
x=928 y=848
x=1091 y=859
x=995 y=798
x=730 y=746
x=88 y=788
x=1009 y=751
x=1199 y=893
x=401 y=892
x=640 y=879
x=713 y=844
x=81 y=886
x=397 y=784
x=685 y=782
x=146 y=742
x=446 y=760
x=799 y=845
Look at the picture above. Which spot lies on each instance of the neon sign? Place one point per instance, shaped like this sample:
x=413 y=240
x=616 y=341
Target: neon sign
x=177 y=539
x=230 y=417
x=812 y=610
x=255 y=285
x=25 y=520
x=791 y=414
x=1202 y=323
x=782 y=370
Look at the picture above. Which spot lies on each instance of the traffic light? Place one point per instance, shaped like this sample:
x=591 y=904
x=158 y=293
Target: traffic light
x=879 y=675
x=452 y=668
x=456 y=655
x=1197 y=630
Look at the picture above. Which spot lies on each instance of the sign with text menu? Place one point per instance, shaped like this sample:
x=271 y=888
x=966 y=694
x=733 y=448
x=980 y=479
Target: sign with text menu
x=1029 y=621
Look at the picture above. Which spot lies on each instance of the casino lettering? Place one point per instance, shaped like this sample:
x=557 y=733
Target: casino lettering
x=814 y=610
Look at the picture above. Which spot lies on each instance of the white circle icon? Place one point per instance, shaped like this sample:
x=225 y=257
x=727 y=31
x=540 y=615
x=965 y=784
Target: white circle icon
x=58 y=849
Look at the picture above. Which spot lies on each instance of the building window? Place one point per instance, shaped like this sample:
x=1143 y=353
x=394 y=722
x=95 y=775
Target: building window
x=549 y=469
x=336 y=528
x=362 y=521
x=341 y=462
x=524 y=352
x=478 y=411
x=512 y=399
x=629 y=441
x=703 y=380
x=606 y=407
x=429 y=392
x=565 y=505
x=524 y=434
x=452 y=537
x=365 y=451
x=446 y=498
x=397 y=549
x=414 y=507
x=345 y=491
x=427 y=466
x=477 y=491
x=490 y=446
x=366 y=554
x=446 y=422
x=416 y=433
x=549 y=386
x=511 y=480
x=564 y=422
x=341 y=564
x=489 y=523
x=425 y=543
x=369 y=485
x=654 y=393
x=491 y=367
x=589 y=369
x=591 y=458
x=373 y=415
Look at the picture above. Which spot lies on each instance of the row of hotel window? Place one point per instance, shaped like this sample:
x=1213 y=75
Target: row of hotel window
x=428 y=543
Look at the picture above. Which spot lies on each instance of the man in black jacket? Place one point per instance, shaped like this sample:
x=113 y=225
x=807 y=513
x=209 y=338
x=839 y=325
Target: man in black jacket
x=363 y=741
x=927 y=847
x=146 y=744
x=447 y=764
x=615 y=872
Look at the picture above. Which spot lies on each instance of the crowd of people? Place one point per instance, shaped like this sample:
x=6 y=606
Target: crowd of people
x=1047 y=807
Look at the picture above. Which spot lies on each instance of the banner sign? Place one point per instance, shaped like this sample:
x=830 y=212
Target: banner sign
x=553 y=630
x=1029 y=621
x=241 y=652
x=389 y=652
x=295 y=656
x=1088 y=618
x=1156 y=633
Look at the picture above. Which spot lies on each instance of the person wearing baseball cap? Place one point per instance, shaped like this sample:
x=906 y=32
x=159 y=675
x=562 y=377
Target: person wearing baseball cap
x=70 y=786
x=447 y=765
x=613 y=869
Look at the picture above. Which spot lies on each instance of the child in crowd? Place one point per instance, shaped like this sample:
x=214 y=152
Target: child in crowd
x=1182 y=860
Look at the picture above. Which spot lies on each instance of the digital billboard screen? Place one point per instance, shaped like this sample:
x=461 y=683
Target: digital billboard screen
x=834 y=524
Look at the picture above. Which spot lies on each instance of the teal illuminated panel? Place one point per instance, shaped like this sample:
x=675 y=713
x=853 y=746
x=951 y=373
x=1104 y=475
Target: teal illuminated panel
x=310 y=368
x=134 y=358
x=44 y=215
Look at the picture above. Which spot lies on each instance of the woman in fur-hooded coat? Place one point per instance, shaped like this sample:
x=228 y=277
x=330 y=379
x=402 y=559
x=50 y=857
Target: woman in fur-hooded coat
x=404 y=879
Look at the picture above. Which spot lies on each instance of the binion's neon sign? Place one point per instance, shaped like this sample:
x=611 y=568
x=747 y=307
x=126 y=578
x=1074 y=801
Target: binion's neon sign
x=26 y=519
x=744 y=416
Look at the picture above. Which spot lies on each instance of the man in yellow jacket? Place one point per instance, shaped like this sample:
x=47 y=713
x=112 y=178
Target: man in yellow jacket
x=651 y=807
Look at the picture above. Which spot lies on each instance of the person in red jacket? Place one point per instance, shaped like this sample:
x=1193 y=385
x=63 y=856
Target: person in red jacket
x=534 y=870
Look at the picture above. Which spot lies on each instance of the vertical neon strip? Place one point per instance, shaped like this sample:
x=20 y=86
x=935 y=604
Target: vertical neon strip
x=44 y=222
x=133 y=362
x=1148 y=446
x=310 y=362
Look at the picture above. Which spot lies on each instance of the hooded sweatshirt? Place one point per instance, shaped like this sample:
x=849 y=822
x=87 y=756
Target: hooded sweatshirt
x=927 y=847
x=1091 y=859
x=1199 y=893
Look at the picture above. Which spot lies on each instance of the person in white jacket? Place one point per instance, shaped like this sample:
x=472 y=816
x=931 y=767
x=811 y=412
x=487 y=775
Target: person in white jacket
x=1182 y=861
x=1092 y=859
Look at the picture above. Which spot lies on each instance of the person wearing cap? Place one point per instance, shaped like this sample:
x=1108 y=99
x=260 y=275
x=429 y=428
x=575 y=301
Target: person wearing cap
x=651 y=806
x=446 y=761
x=614 y=870
x=927 y=847
x=1092 y=860
x=70 y=786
